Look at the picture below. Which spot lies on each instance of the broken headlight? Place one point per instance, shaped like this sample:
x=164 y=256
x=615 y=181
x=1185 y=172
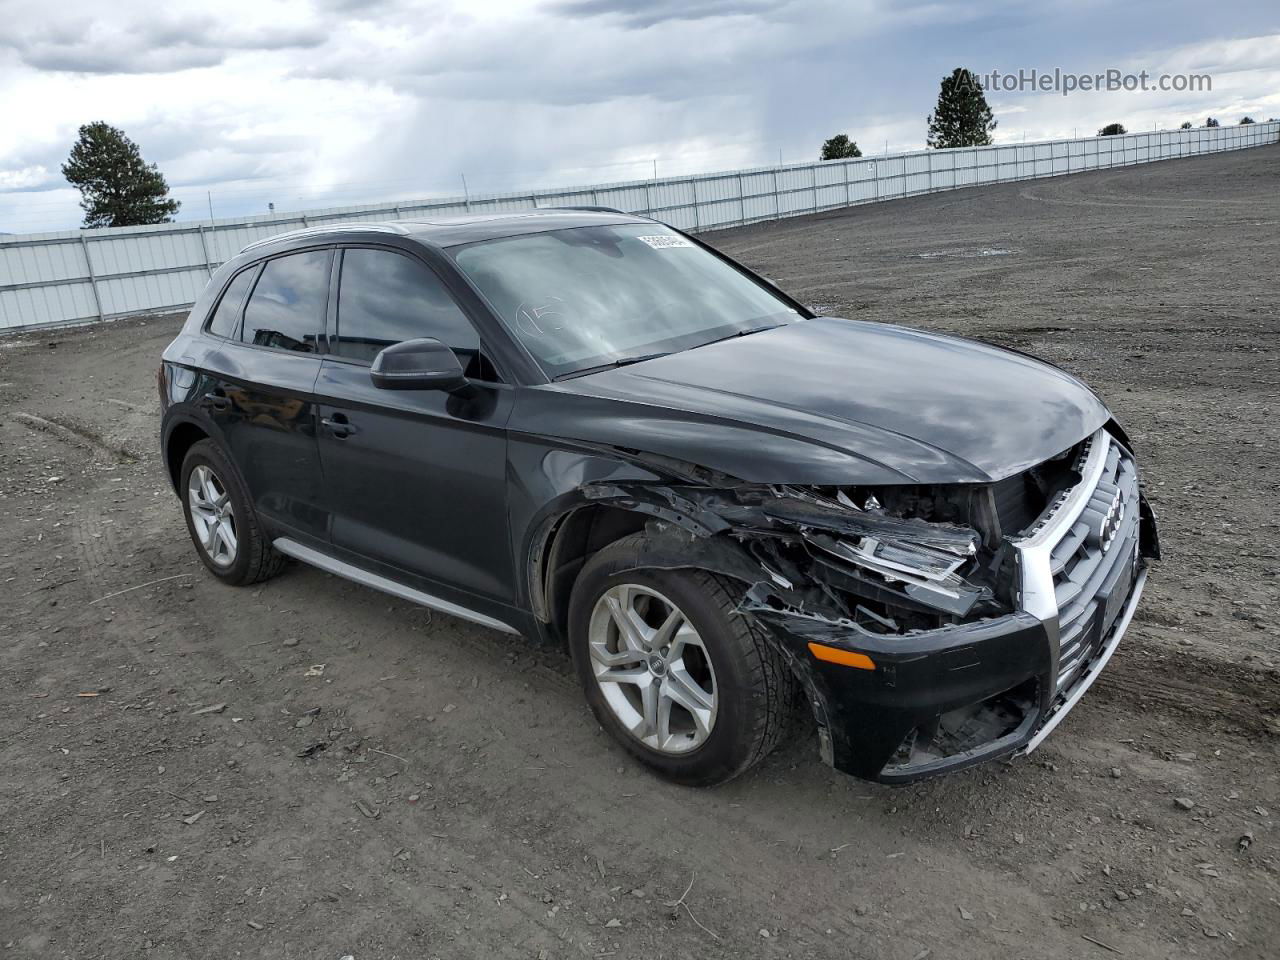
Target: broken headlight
x=921 y=545
x=926 y=572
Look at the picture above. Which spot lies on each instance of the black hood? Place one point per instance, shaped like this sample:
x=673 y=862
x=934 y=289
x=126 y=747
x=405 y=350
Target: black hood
x=831 y=401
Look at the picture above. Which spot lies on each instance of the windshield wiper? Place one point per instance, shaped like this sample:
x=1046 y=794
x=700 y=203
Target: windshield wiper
x=740 y=333
x=625 y=361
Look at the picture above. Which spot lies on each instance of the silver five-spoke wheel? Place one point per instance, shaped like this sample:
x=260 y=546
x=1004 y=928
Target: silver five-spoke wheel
x=653 y=668
x=212 y=516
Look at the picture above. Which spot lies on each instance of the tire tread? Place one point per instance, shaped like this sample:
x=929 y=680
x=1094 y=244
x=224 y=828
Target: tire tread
x=773 y=684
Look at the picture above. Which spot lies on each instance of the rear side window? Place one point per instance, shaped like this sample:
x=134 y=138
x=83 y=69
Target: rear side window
x=286 y=308
x=227 y=317
x=385 y=298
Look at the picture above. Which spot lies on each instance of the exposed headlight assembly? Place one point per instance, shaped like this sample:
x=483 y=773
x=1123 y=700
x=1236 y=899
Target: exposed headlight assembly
x=927 y=572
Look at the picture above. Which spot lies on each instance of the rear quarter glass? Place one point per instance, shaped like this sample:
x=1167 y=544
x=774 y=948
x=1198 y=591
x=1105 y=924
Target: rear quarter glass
x=226 y=317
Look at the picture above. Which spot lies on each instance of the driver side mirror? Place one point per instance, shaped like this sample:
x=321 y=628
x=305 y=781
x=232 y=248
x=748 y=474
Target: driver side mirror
x=423 y=364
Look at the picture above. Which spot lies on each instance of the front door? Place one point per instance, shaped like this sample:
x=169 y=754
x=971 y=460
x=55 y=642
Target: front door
x=416 y=478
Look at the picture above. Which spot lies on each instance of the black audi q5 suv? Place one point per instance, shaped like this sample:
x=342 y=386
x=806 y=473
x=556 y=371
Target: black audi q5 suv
x=591 y=429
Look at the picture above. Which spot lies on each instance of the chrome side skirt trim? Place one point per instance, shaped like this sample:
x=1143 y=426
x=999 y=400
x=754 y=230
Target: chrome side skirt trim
x=1095 y=668
x=291 y=548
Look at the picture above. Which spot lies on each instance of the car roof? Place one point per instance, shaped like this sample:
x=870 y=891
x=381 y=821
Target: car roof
x=451 y=231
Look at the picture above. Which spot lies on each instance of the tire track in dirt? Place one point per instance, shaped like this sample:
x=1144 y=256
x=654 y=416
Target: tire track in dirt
x=1193 y=686
x=76 y=435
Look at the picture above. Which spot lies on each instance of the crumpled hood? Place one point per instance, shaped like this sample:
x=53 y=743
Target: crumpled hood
x=839 y=401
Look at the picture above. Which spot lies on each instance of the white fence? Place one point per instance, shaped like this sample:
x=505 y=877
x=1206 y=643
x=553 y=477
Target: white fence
x=80 y=276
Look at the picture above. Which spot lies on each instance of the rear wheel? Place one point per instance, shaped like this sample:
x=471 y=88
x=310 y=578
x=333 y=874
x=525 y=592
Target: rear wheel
x=672 y=670
x=221 y=519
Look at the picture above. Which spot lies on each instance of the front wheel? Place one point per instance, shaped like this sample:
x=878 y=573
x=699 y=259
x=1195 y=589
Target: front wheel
x=680 y=678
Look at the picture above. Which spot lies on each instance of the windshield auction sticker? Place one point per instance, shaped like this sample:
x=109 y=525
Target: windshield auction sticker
x=664 y=242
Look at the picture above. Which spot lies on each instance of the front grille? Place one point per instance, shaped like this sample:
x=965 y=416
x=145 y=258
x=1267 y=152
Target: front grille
x=1093 y=561
x=1084 y=550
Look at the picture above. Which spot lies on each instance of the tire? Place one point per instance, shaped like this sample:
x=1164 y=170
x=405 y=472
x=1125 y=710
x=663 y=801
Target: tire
x=252 y=559
x=752 y=689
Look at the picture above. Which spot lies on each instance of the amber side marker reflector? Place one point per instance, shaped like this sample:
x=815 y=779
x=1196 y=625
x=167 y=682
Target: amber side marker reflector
x=846 y=658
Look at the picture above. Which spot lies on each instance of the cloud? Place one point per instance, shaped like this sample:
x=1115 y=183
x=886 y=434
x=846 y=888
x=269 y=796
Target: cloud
x=309 y=103
x=639 y=14
x=362 y=9
x=162 y=43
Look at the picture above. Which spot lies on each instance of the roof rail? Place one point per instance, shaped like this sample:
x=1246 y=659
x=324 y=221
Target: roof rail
x=327 y=228
x=590 y=209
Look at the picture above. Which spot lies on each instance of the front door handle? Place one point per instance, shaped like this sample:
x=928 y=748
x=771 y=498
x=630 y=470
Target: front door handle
x=338 y=425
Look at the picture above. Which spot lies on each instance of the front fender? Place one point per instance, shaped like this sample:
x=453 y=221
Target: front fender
x=550 y=482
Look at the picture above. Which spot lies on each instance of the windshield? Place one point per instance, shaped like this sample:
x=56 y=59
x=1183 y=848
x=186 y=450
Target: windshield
x=587 y=297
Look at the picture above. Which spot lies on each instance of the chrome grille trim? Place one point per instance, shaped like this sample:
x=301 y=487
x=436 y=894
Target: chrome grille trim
x=1059 y=517
x=1036 y=592
x=1064 y=566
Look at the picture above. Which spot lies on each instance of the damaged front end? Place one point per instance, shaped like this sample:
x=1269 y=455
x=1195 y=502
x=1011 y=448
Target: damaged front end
x=917 y=616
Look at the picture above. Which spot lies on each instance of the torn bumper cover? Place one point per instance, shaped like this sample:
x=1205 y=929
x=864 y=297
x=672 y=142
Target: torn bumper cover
x=941 y=700
x=938 y=628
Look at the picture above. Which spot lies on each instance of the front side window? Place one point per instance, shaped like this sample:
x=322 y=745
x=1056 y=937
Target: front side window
x=584 y=297
x=286 y=308
x=226 y=318
x=385 y=298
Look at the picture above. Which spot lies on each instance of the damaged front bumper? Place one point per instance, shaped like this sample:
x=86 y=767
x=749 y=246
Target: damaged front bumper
x=925 y=646
x=933 y=701
x=941 y=700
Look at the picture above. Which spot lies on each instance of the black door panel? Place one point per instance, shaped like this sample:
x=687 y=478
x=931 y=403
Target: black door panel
x=420 y=476
x=262 y=401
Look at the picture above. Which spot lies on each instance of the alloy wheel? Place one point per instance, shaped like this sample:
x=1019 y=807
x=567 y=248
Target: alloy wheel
x=212 y=515
x=652 y=668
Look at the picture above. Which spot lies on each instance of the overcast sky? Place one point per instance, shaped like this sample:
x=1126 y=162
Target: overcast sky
x=310 y=103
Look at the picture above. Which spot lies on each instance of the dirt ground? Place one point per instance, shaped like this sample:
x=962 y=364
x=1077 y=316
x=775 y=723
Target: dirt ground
x=308 y=769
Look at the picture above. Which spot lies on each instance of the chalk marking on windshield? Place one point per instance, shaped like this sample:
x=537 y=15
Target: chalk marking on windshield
x=533 y=318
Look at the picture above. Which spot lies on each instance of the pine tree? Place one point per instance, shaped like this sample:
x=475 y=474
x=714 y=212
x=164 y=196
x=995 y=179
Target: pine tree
x=1211 y=122
x=117 y=187
x=839 y=147
x=1112 y=130
x=962 y=117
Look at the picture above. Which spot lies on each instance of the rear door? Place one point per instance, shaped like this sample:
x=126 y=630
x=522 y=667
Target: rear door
x=416 y=478
x=262 y=377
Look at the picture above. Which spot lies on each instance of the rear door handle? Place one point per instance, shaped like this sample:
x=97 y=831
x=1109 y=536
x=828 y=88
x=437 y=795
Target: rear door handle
x=338 y=425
